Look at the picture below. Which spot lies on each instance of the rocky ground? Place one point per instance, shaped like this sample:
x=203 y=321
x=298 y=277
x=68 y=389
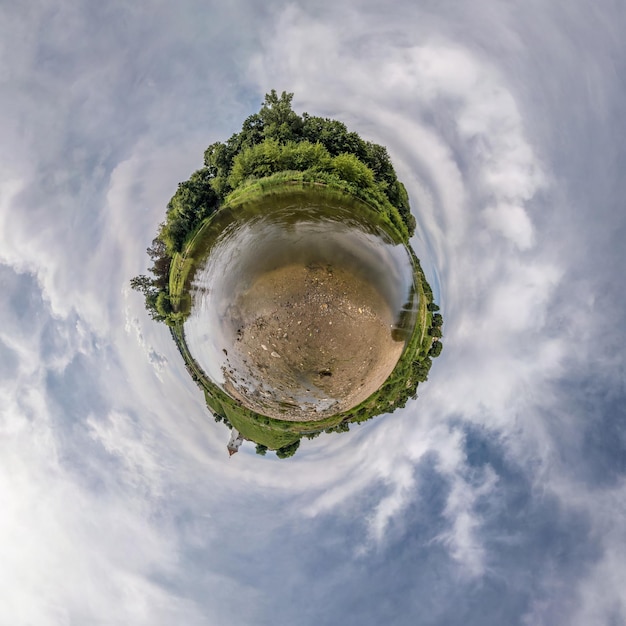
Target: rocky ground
x=308 y=342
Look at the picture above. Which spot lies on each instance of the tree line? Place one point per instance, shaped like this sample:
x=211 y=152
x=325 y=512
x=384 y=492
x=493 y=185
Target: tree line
x=273 y=140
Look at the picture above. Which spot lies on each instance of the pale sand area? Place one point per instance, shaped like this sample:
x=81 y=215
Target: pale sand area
x=316 y=338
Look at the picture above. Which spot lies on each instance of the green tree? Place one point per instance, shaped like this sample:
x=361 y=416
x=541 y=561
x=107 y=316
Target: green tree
x=261 y=449
x=435 y=332
x=334 y=135
x=252 y=131
x=278 y=119
x=142 y=283
x=435 y=349
x=163 y=304
x=218 y=159
x=420 y=369
x=145 y=285
x=160 y=263
x=287 y=451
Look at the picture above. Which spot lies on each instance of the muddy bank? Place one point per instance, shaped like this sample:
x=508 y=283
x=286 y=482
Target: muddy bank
x=308 y=342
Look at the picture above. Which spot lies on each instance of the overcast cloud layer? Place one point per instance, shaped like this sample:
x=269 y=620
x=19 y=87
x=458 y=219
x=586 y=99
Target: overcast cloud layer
x=497 y=497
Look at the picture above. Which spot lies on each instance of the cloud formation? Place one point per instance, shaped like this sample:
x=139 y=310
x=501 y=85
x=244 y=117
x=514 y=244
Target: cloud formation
x=496 y=497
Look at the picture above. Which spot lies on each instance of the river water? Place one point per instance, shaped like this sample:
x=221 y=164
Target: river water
x=301 y=304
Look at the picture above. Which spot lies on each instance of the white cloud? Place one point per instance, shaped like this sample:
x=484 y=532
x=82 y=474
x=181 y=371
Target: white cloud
x=94 y=470
x=513 y=222
x=70 y=551
x=453 y=127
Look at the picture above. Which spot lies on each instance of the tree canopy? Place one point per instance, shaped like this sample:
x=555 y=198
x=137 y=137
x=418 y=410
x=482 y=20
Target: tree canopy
x=278 y=123
x=276 y=139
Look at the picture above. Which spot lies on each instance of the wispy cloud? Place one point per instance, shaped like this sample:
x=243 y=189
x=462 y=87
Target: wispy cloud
x=499 y=488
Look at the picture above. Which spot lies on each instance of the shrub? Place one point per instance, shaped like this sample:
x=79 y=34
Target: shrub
x=435 y=349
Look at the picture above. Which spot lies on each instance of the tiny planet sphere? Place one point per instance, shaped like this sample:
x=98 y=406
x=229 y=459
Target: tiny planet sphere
x=301 y=308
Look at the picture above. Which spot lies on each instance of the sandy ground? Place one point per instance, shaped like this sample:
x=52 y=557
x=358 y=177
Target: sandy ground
x=309 y=342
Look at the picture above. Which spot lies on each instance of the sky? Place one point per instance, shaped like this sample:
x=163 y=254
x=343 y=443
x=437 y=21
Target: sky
x=497 y=497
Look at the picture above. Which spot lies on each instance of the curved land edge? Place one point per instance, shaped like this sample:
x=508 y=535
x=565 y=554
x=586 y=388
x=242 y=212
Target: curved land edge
x=275 y=434
x=277 y=148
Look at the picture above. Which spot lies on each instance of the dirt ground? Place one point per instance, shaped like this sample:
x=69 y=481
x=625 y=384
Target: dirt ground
x=309 y=342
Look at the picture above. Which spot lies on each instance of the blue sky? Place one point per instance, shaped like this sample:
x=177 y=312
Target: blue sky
x=497 y=497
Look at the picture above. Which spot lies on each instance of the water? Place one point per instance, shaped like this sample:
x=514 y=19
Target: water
x=301 y=304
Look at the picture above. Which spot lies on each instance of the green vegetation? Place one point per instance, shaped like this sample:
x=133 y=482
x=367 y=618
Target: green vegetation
x=275 y=150
x=276 y=140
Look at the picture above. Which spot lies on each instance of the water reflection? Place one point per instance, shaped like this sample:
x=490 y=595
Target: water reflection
x=300 y=311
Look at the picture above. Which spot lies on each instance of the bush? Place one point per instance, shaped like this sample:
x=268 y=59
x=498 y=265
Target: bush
x=287 y=451
x=270 y=156
x=435 y=349
x=352 y=170
x=163 y=304
x=420 y=369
